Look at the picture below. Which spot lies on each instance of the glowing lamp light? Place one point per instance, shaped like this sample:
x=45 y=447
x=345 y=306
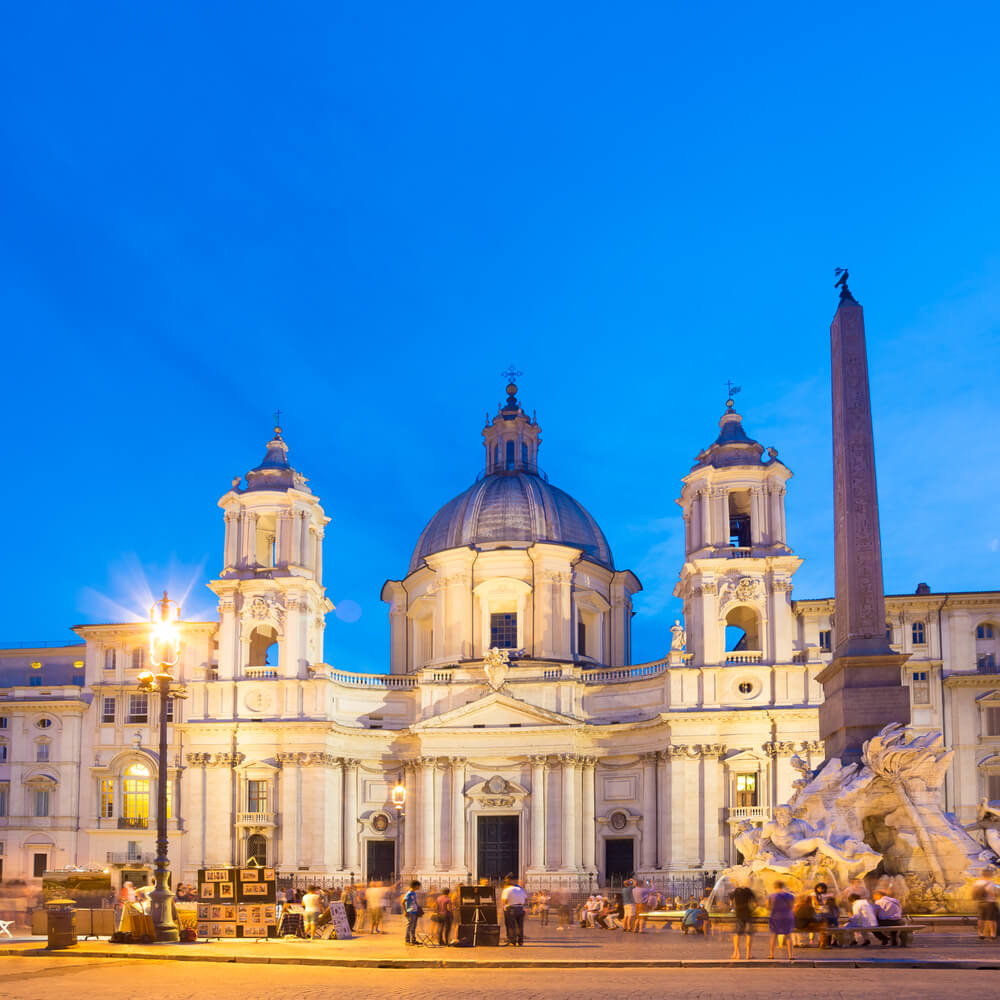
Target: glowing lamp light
x=36 y=665
x=399 y=797
x=165 y=636
x=78 y=664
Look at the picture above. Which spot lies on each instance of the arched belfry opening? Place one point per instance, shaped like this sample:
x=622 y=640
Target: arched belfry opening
x=743 y=630
x=263 y=647
x=739 y=519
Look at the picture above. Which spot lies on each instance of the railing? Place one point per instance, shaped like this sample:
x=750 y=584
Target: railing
x=130 y=858
x=395 y=681
x=255 y=819
x=986 y=667
x=441 y=678
x=740 y=552
x=748 y=812
x=620 y=675
x=133 y=822
x=744 y=657
x=257 y=673
x=553 y=674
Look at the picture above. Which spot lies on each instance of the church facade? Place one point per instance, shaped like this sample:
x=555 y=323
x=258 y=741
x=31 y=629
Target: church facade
x=511 y=712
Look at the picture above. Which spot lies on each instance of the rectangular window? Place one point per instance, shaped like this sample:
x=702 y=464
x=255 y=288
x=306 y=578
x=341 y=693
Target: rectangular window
x=3 y=752
x=920 y=687
x=746 y=790
x=256 y=796
x=581 y=638
x=39 y=862
x=78 y=680
x=992 y=720
x=139 y=658
x=138 y=709
x=34 y=681
x=3 y=721
x=109 y=659
x=106 y=807
x=4 y=788
x=826 y=640
x=503 y=630
x=170 y=709
x=986 y=663
x=42 y=802
x=108 y=707
x=170 y=798
x=919 y=635
x=993 y=787
x=42 y=753
x=984 y=631
x=135 y=800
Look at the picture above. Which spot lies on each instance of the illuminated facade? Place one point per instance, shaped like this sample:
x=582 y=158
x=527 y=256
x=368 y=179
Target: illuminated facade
x=553 y=756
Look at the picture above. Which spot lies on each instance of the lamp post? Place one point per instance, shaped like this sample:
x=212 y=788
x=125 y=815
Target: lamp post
x=399 y=802
x=164 y=653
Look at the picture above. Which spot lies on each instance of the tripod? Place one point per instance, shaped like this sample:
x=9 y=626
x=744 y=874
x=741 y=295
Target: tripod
x=478 y=917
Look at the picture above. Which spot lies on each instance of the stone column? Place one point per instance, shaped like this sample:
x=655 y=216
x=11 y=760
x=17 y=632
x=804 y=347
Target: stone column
x=756 y=519
x=458 y=861
x=662 y=812
x=570 y=813
x=862 y=687
x=351 y=854
x=705 y=512
x=647 y=853
x=711 y=755
x=409 y=859
x=336 y=808
x=425 y=812
x=678 y=807
x=194 y=798
x=588 y=829
x=537 y=851
x=439 y=814
x=291 y=825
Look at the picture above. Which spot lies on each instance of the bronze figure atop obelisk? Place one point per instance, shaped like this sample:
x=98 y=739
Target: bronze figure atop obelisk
x=862 y=686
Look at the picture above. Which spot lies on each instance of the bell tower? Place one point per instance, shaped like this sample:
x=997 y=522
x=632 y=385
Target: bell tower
x=270 y=590
x=737 y=577
x=511 y=438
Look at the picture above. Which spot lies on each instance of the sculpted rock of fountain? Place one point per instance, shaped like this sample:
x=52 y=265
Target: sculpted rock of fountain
x=843 y=823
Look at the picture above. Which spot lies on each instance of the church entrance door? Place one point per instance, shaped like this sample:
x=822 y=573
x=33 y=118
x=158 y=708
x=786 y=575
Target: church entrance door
x=619 y=858
x=381 y=858
x=498 y=846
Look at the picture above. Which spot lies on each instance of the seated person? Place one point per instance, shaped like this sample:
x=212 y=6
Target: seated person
x=694 y=919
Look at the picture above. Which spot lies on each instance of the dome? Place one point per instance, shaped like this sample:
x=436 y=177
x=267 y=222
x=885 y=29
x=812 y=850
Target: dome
x=508 y=508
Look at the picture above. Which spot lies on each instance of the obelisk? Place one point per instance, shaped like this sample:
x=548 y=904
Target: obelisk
x=862 y=687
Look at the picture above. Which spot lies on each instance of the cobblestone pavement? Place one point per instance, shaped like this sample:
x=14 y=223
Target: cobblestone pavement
x=57 y=978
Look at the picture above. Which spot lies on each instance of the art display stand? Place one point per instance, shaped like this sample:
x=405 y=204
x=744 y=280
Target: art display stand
x=237 y=903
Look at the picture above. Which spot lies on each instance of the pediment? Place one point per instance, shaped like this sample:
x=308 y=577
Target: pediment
x=744 y=758
x=496 y=711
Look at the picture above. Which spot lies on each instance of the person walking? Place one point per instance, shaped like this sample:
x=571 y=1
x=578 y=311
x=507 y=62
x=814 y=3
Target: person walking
x=744 y=903
x=543 y=908
x=781 y=921
x=412 y=911
x=513 y=899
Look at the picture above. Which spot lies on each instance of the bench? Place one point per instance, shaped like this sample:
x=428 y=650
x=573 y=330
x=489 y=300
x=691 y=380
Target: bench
x=845 y=935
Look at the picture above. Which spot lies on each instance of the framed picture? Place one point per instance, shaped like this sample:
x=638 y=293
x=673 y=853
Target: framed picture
x=255 y=915
x=270 y=914
x=249 y=874
x=217 y=912
x=229 y=930
x=217 y=875
x=255 y=930
x=207 y=891
x=229 y=913
x=225 y=890
x=268 y=874
x=255 y=889
x=204 y=911
x=204 y=929
x=243 y=914
x=214 y=930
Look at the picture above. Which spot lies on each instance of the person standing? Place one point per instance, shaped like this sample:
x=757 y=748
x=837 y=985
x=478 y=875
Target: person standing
x=781 y=921
x=744 y=903
x=412 y=912
x=639 y=894
x=443 y=916
x=513 y=899
x=543 y=909
x=312 y=905
x=628 y=904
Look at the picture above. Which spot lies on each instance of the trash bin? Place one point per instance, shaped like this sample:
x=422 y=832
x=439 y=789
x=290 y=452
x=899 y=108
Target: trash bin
x=61 y=922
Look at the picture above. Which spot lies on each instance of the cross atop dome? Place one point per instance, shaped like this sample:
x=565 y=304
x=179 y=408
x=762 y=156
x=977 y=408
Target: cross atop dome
x=512 y=437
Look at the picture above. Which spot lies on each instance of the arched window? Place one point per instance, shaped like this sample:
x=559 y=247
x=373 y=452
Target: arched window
x=742 y=630
x=135 y=795
x=139 y=658
x=510 y=455
x=524 y=453
x=984 y=631
x=263 y=647
x=919 y=638
x=257 y=849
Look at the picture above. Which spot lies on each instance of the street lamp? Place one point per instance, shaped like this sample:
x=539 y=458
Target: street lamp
x=164 y=653
x=399 y=797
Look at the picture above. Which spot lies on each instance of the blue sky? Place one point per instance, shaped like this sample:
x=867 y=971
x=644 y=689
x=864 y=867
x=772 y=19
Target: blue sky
x=362 y=213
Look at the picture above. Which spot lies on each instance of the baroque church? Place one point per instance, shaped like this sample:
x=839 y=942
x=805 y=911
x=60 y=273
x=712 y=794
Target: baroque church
x=525 y=737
